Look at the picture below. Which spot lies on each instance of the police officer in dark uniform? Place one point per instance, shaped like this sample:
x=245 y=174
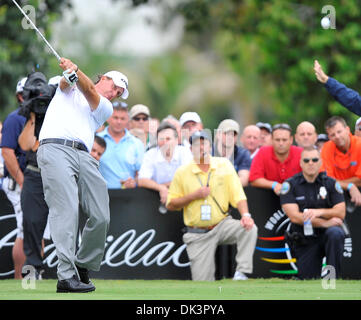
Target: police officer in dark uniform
x=323 y=198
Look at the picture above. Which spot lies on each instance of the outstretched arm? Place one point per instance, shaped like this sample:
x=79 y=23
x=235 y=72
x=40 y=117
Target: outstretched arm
x=320 y=75
x=84 y=84
x=349 y=98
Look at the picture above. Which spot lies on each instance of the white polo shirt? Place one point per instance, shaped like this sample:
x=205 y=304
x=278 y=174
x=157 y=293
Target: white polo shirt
x=69 y=116
x=156 y=168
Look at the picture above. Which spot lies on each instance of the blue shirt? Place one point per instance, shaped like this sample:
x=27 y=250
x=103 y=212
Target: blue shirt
x=12 y=127
x=120 y=160
x=347 y=97
x=241 y=158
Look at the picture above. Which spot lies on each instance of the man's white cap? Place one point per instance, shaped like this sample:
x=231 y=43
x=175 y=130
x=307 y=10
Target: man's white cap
x=119 y=80
x=20 y=85
x=54 y=81
x=358 y=122
x=189 y=116
x=138 y=109
x=229 y=125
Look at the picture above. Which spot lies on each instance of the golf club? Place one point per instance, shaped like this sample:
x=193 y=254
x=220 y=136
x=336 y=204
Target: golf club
x=71 y=78
x=37 y=30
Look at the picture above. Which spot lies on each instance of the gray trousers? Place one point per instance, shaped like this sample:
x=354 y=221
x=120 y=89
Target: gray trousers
x=201 y=248
x=71 y=177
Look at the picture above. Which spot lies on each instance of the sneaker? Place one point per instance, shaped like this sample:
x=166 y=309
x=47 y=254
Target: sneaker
x=238 y=275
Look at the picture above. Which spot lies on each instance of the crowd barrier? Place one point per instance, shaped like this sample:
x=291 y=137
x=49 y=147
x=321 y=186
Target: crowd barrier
x=143 y=243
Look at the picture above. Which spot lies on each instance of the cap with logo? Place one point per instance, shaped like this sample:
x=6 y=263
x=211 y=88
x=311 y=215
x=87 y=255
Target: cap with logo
x=119 y=80
x=138 y=109
x=189 y=116
x=229 y=125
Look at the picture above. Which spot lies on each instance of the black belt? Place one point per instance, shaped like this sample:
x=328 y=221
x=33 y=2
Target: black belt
x=64 y=142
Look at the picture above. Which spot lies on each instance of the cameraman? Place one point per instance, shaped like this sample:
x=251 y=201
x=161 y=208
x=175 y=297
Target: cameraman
x=14 y=165
x=35 y=209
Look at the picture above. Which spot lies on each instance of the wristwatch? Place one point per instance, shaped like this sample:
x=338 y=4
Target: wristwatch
x=247 y=214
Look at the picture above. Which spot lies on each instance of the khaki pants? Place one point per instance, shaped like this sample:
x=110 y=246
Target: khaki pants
x=201 y=248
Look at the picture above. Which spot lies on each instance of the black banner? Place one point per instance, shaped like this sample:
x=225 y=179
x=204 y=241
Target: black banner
x=143 y=243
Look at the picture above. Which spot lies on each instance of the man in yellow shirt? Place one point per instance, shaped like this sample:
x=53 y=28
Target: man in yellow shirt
x=204 y=188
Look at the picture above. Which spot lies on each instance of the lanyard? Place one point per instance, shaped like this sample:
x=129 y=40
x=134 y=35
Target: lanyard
x=214 y=199
x=200 y=181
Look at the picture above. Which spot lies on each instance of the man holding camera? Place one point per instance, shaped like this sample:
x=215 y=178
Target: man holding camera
x=70 y=174
x=14 y=160
x=37 y=96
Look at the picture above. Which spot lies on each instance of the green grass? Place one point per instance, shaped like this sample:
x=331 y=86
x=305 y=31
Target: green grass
x=253 y=289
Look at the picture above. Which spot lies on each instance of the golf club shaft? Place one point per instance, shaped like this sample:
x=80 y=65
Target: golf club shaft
x=37 y=30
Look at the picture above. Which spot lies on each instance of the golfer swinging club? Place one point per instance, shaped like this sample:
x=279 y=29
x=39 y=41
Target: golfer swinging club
x=70 y=174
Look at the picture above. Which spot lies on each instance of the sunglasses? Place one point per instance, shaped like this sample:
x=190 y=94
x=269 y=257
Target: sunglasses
x=140 y=118
x=307 y=160
x=121 y=104
x=284 y=126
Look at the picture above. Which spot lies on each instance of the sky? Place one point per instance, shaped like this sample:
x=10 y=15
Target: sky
x=130 y=28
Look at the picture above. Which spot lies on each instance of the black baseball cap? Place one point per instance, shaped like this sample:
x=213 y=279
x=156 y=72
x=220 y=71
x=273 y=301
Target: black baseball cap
x=202 y=134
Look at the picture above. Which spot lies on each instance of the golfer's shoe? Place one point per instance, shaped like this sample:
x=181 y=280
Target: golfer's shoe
x=73 y=285
x=238 y=275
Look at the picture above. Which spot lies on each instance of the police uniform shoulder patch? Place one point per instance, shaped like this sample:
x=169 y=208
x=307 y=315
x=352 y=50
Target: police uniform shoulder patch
x=285 y=187
x=338 y=187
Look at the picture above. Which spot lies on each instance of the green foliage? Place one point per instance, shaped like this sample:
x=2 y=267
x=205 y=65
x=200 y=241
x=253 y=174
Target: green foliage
x=165 y=78
x=272 y=46
x=21 y=50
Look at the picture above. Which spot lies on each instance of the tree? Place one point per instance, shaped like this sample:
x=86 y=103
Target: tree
x=21 y=50
x=271 y=45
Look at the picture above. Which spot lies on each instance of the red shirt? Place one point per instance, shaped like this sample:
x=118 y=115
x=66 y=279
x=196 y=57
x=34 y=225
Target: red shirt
x=266 y=165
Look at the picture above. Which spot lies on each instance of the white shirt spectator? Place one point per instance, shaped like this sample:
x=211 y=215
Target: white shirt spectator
x=158 y=169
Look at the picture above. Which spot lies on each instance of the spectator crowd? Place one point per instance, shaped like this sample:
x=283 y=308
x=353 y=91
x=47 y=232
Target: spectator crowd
x=135 y=149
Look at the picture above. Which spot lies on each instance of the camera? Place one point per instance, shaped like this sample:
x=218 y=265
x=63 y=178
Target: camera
x=37 y=94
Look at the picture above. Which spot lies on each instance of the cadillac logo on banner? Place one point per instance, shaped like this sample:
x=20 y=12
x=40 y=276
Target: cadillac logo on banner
x=127 y=249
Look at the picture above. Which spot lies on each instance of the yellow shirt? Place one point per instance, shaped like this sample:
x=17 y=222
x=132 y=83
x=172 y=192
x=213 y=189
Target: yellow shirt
x=225 y=187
